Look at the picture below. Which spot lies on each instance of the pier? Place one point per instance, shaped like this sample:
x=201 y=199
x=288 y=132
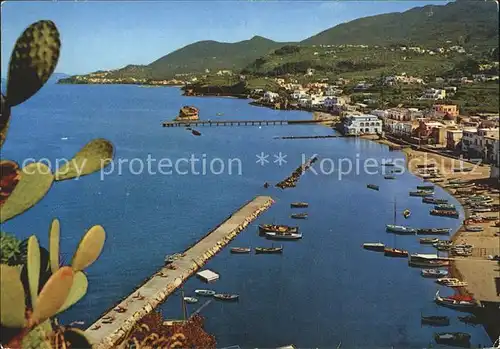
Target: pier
x=106 y=333
x=189 y=123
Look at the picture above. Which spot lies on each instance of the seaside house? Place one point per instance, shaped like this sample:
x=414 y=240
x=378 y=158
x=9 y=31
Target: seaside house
x=431 y=132
x=362 y=124
x=468 y=139
x=400 y=114
x=453 y=138
x=491 y=149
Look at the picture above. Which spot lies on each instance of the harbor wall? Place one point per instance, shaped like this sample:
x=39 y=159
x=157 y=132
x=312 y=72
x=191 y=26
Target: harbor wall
x=113 y=326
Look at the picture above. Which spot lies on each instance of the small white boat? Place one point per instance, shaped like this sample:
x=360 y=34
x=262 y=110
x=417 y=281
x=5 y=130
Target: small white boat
x=284 y=236
x=64 y=138
x=204 y=293
x=399 y=229
x=190 y=300
x=434 y=273
x=374 y=246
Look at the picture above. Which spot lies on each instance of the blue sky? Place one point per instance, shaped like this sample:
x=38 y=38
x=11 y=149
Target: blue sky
x=108 y=35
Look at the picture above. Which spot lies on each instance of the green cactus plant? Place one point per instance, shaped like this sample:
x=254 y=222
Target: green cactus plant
x=31 y=295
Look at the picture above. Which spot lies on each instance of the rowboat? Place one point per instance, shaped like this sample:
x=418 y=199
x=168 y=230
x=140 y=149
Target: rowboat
x=240 y=250
x=299 y=204
x=427 y=241
x=435 y=320
x=374 y=246
x=445 y=207
x=456 y=304
x=299 y=215
x=226 y=296
x=283 y=236
x=421 y=193
x=389 y=177
x=475 y=228
x=428 y=200
x=406 y=213
x=190 y=300
x=267 y=228
x=433 y=231
x=204 y=293
x=269 y=249
x=395 y=252
x=399 y=229
x=372 y=186
x=425 y=187
x=431 y=263
x=434 y=273
x=460 y=339
x=444 y=213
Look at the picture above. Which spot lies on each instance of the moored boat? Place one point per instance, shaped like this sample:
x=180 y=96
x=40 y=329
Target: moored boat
x=433 y=231
x=299 y=215
x=418 y=262
x=449 y=207
x=474 y=228
x=374 y=246
x=389 y=177
x=190 y=300
x=456 y=304
x=299 y=204
x=422 y=193
x=399 y=229
x=283 y=236
x=269 y=249
x=372 y=186
x=406 y=213
x=204 y=293
x=226 y=296
x=427 y=241
x=451 y=282
x=444 y=213
x=425 y=187
x=453 y=338
x=429 y=200
x=435 y=320
x=267 y=228
x=240 y=249
x=395 y=252
x=434 y=273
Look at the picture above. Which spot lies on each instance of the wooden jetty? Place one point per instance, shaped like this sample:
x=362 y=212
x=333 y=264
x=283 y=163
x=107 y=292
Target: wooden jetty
x=103 y=334
x=187 y=123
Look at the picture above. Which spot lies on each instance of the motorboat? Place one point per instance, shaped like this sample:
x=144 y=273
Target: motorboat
x=451 y=282
x=470 y=320
x=268 y=228
x=460 y=339
x=474 y=228
x=299 y=205
x=428 y=241
x=456 y=304
x=449 y=207
x=299 y=215
x=372 y=186
x=226 y=296
x=269 y=250
x=389 y=177
x=399 y=229
x=434 y=273
x=422 y=193
x=435 y=320
x=444 y=213
x=425 y=187
x=429 y=200
x=433 y=231
x=374 y=246
x=190 y=300
x=240 y=250
x=204 y=293
x=395 y=252
x=283 y=236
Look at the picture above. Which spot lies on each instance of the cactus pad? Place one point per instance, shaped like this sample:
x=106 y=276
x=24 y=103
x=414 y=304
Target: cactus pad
x=89 y=248
x=33 y=265
x=36 y=180
x=33 y=61
x=53 y=294
x=12 y=306
x=77 y=291
x=94 y=156
x=54 y=236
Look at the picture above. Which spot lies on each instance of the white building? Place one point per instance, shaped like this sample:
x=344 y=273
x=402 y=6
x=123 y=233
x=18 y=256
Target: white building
x=362 y=124
x=270 y=96
x=433 y=93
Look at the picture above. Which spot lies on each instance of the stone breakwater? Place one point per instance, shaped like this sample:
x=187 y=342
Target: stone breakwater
x=113 y=326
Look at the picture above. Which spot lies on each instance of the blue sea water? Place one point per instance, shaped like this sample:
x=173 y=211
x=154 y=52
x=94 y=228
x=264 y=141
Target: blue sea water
x=323 y=290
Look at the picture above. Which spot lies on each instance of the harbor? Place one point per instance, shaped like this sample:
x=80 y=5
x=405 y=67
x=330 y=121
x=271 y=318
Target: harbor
x=107 y=331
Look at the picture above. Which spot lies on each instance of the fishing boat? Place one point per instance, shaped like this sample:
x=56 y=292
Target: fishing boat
x=390 y=164
x=395 y=252
x=433 y=231
x=435 y=320
x=389 y=177
x=372 y=186
x=437 y=180
x=299 y=215
x=460 y=339
x=374 y=246
x=470 y=320
x=204 y=293
x=455 y=303
x=444 y=213
x=399 y=229
x=431 y=263
x=428 y=241
x=190 y=300
x=406 y=213
x=274 y=228
x=283 y=236
x=196 y=133
x=429 y=200
x=434 y=273
x=240 y=250
x=425 y=187
x=226 y=296
x=421 y=193
x=299 y=204
x=482 y=209
x=269 y=249
x=445 y=207
x=474 y=228
x=451 y=282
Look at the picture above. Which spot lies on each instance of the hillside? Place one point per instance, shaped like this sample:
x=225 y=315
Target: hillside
x=465 y=23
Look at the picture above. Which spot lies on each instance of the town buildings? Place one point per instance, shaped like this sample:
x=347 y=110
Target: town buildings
x=362 y=124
